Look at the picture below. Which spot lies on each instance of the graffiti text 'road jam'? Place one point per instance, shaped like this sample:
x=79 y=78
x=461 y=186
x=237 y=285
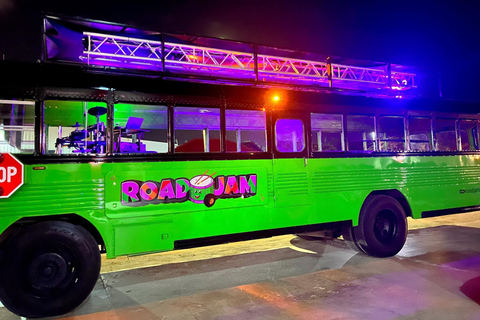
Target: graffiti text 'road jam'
x=203 y=188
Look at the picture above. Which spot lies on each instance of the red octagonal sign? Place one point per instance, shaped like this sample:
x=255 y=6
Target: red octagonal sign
x=11 y=175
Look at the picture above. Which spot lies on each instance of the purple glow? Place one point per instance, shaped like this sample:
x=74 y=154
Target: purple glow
x=217 y=61
x=289 y=135
x=121 y=52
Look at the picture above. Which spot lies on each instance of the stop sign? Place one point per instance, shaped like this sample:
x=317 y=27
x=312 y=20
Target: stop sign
x=11 y=175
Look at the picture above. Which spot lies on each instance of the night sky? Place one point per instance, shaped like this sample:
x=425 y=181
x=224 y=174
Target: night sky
x=441 y=37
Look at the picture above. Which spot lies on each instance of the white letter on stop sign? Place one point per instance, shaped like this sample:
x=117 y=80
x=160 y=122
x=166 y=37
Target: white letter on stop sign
x=7 y=174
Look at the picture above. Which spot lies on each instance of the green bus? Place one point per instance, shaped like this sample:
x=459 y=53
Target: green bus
x=129 y=163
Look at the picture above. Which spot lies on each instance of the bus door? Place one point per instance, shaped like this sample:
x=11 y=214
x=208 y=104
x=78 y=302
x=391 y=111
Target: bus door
x=290 y=164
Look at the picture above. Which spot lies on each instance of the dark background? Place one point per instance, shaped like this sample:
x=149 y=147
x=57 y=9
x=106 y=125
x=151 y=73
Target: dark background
x=439 y=37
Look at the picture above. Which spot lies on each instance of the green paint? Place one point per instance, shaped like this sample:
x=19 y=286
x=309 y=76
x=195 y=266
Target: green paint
x=253 y=187
x=198 y=194
x=288 y=193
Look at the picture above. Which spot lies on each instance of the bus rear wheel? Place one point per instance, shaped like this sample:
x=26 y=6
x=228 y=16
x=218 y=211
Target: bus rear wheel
x=48 y=269
x=382 y=227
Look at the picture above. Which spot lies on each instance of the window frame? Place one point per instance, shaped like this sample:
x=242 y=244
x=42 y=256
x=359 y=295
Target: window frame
x=205 y=134
x=375 y=132
x=379 y=140
x=22 y=128
x=455 y=129
x=475 y=136
x=239 y=141
x=343 y=141
x=430 y=137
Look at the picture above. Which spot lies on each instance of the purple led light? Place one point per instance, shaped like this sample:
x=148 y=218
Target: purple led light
x=217 y=61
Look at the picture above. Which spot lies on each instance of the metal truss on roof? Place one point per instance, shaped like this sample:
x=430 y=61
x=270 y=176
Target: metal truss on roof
x=107 y=50
x=198 y=59
x=194 y=60
x=352 y=73
x=273 y=67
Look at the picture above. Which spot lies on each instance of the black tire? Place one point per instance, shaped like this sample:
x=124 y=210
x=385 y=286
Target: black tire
x=48 y=269
x=209 y=200
x=382 y=227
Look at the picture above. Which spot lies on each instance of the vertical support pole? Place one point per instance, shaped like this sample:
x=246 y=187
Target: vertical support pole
x=15 y=113
x=170 y=132
x=39 y=122
x=223 y=132
x=206 y=139
x=59 y=136
x=271 y=135
x=345 y=132
x=239 y=140
x=43 y=56
x=85 y=116
x=294 y=141
x=89 y=48
x=163 y=53
x=329 y=72
x=319 y=140
x=365 y=142
x=223 y=122
x=389 y=76
x=432 y=134
x=457 y=134
x=476 y=139
x=255 y=62
x=110 y=125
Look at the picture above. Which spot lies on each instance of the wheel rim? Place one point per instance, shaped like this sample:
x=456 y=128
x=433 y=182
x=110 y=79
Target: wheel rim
x=386 y=226
x=52 y=271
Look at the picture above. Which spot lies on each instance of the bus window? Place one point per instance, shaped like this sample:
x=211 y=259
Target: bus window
x=391 y=133
x=17 y=126
x=467 y=132
x=361 y=133
x=75 y=127
x=140 y=128
x=289 y=135
x=196 y=129
x=327 y=132
x=420 y=133
x=246 y=131
x=444 y=134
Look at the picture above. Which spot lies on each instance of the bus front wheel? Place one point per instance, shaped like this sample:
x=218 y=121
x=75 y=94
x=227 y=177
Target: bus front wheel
x=48 y=269
x=382 y=227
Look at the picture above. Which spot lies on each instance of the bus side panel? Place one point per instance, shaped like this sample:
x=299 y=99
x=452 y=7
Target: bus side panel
x=291 y=184
x=154 y=204
x=341 y=185
x=304 y=197
x=61 y=189
x=439 y=183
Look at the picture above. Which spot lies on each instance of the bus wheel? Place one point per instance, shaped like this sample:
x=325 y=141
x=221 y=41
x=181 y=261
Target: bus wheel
x=48 y=269
x=382 y=227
